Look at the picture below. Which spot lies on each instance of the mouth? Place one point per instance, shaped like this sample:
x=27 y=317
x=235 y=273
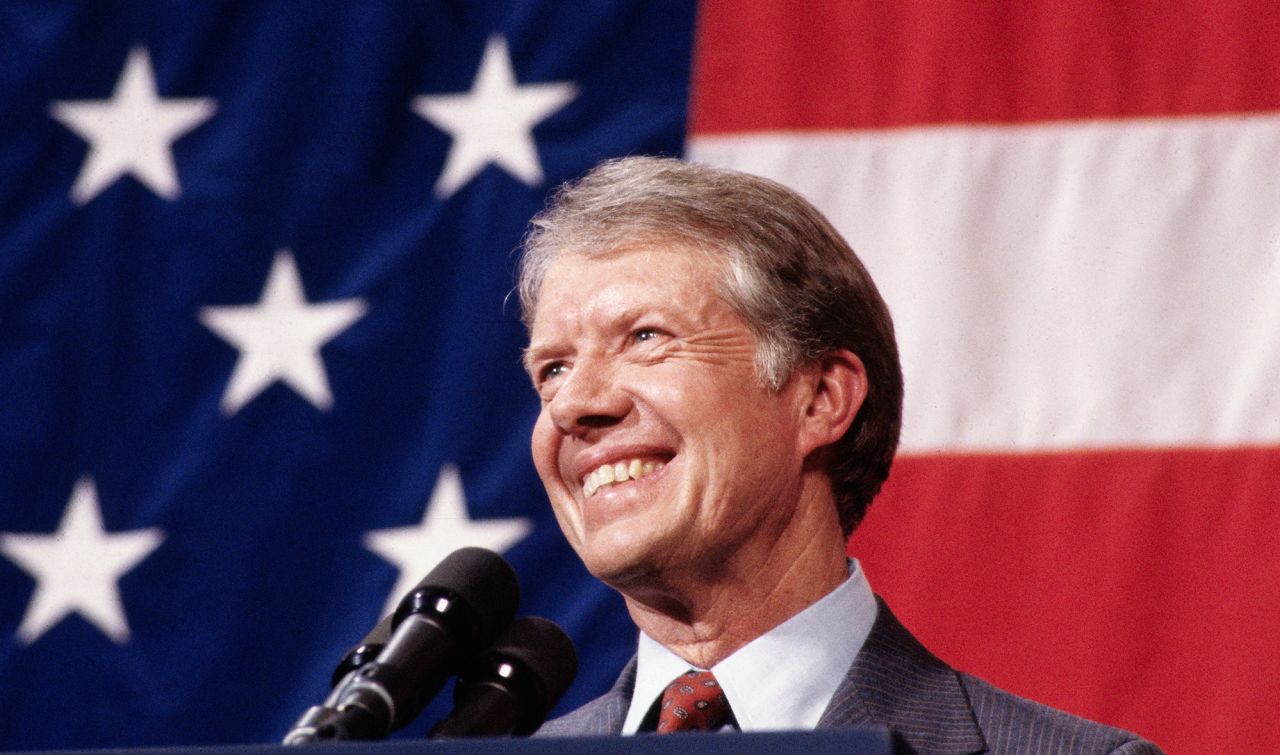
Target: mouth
x=619 y=472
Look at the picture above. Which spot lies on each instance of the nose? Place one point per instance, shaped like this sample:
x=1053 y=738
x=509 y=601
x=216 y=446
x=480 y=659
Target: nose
x=588 y=399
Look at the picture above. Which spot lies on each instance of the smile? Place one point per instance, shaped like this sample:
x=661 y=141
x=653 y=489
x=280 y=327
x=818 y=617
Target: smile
x=607 y=475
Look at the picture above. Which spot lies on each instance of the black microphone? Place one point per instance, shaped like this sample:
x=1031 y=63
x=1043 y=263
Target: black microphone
x=511 y=687
x=307 y=726
x=453 y=613
x=365 y=651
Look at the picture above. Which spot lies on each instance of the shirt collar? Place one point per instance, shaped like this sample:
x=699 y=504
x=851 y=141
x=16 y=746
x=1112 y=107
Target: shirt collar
x=783 y=679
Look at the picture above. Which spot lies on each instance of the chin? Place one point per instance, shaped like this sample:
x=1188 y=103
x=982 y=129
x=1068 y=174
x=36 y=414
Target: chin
x=616 y=564
x=609 y=567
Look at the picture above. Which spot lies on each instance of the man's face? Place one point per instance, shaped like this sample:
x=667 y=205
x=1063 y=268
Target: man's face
x=644 y=371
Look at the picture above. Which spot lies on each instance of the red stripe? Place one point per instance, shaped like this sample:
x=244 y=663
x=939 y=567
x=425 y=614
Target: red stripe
x=835 y=64
x=1140 y=588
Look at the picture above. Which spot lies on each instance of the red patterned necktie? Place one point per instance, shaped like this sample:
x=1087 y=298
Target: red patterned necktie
x=693 y=702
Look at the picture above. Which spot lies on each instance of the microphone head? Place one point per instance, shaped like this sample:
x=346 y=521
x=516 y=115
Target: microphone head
x=476 y=579
x=535 y=661
x=546 y=649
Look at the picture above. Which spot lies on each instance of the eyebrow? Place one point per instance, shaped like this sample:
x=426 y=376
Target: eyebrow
x=532 y=354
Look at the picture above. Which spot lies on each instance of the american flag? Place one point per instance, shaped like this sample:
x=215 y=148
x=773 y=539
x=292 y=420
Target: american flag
x=259 y=369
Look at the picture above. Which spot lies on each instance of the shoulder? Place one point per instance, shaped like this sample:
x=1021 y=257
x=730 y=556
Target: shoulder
x=896 y=682
x=1015 y=724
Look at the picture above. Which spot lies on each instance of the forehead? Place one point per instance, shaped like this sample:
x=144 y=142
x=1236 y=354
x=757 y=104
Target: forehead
x=607 y=285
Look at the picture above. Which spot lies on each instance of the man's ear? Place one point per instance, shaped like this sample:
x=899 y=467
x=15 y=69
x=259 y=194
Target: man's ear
x=838 y=386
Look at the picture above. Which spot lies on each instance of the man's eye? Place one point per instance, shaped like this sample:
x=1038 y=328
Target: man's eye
x=645 y=334
x=552 y=371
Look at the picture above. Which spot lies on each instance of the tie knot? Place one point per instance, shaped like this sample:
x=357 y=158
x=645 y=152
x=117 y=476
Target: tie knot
x=693 y=702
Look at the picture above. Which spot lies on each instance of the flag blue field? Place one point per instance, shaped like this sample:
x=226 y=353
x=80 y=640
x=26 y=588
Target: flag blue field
x=259 y=369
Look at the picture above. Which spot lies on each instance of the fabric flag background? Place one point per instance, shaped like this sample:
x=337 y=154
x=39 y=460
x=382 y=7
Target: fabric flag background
x=1073 y=210
x=258 y=370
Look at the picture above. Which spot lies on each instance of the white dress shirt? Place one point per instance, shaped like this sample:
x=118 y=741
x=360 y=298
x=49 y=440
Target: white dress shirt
x=783 y=679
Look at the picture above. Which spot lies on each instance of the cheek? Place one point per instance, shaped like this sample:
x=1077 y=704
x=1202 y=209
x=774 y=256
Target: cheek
x=680 y=397
x=544 y=446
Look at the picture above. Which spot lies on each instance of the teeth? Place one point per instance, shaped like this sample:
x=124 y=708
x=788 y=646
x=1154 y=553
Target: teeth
x=610 y=474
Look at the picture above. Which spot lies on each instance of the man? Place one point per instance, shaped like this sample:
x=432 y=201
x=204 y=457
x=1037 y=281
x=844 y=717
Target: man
x=721 y=400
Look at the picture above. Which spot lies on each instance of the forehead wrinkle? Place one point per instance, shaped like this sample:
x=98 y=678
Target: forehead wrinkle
x=603 y=310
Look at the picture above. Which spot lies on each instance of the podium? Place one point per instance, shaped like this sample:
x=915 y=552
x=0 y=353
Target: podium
x=823 y=742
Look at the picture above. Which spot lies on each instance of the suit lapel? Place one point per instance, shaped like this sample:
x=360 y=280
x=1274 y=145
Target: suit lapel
x=619 y=698
x=896 y=682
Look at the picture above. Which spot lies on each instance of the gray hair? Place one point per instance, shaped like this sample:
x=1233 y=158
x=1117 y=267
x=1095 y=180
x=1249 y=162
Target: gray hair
x=787 y=273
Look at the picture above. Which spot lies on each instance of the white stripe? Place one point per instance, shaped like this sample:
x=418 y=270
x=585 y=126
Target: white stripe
x=1082 y=285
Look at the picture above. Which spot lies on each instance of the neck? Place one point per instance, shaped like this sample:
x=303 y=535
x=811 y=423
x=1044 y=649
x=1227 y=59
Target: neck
x=714 y=608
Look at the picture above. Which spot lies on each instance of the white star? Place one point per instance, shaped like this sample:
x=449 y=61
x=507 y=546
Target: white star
x=279 y=338
x=77 y=567
x=493 y=122
x=445 y=527
x=133 y=132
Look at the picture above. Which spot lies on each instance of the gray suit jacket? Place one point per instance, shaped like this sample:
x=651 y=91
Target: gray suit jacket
x=896 y=683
